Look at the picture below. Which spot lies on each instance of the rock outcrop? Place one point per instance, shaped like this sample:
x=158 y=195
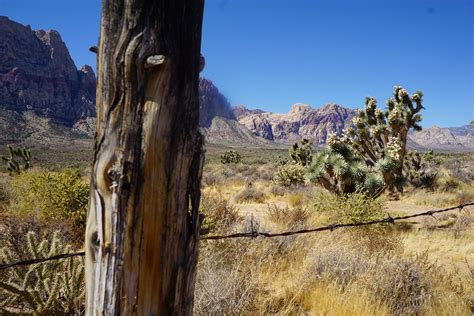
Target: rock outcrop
x=212 y=104
x=302 y=121
x=38 y=74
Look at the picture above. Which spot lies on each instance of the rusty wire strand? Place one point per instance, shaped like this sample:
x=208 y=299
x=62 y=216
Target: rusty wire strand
x=255 y=233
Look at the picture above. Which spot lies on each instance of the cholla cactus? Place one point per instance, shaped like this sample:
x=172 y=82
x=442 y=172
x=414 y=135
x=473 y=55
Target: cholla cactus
x=303 y=154
x=420 y=170
x=231 y=156
x=49 y=288
x=377 y=139
x=13 y=166
x=290 y=174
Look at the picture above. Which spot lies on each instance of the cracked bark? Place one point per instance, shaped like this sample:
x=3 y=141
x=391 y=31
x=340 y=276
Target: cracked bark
x=142 y=227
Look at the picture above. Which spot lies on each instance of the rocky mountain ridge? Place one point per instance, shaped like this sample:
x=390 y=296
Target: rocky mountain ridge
x=302 y=121
x=38 y=74
x=43 y=93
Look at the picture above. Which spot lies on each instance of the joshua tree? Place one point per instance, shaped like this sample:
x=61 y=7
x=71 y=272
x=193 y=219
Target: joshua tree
x=378 y=140
x=13 y=166
x=340 y=170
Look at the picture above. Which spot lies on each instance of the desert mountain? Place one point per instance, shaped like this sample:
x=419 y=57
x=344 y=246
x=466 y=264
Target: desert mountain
x=451 y=138
x=46 y=100
x=302 y=121
x=217 y=120
x=37 y=74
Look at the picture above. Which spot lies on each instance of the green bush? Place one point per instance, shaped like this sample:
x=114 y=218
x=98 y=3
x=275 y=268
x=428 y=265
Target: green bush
x=349 y=208
x=50 y=195
x=289 y=175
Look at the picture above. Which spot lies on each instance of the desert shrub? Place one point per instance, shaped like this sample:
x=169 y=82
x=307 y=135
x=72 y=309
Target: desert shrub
x=277 y=190
x=227 y=279
x=287 y=218
x=295 y=199
x=228 y=172
x=218 y=213
x=449 y=184
x=50 y=288
x=407 y=286
x=4 y=192
x=250 y=194
x=289 y=175
x=349 y=208
x=52 y=195
x=231 y=156
x=357 y=207
x=462 y=224
x=209 y=179
x=57 y=199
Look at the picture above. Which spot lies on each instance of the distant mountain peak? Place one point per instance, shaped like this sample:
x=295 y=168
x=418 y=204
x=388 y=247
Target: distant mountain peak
x=299 y=108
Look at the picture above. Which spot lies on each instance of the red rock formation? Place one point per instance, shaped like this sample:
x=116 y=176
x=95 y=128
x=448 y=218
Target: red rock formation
x=37 y=73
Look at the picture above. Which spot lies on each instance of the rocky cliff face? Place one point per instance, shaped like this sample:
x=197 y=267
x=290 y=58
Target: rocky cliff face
x=212 y=104
x=302 y=121
x=38 y=74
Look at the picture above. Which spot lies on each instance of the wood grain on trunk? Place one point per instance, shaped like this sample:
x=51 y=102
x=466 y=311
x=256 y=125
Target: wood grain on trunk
x=142 y=227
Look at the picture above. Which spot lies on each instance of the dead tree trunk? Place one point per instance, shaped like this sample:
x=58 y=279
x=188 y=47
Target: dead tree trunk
x=142 y=228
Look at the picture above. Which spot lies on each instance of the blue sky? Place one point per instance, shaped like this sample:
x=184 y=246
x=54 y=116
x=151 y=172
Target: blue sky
x=270 y=54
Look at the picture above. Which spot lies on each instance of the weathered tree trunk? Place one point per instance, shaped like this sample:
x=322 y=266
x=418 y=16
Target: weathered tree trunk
x=142 y=228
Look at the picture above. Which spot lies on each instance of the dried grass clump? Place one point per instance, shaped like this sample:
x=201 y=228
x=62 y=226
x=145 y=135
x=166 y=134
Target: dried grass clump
x=287 y=218
x=219 y=214
x=250 y=194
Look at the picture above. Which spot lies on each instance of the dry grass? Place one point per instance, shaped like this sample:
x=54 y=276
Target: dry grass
x=382 y=270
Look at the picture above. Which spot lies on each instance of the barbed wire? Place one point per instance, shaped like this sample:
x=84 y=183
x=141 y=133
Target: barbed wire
x=41 y=260
x=254 y=233
x=389 y=219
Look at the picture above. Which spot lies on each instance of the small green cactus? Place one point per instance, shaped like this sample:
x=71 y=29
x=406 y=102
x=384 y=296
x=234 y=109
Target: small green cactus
x=231 y=156
x=420 y=170
x=302 y=154
x=13 y=166
x=289 y=174
x=49 y=288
